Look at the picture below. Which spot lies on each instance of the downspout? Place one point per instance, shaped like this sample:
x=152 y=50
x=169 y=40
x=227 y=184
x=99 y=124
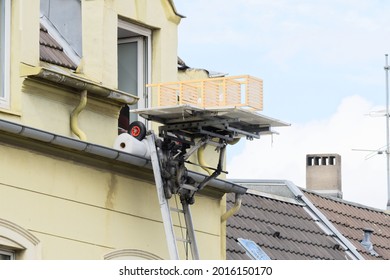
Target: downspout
x=224 y=217
x=200 y=154
x=234 y=141
x=201 y=160
x=74 y=116
x=238 y=197
x=234 y=209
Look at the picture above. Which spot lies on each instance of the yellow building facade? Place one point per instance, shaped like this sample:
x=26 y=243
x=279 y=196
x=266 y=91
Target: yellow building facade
x=65 y=193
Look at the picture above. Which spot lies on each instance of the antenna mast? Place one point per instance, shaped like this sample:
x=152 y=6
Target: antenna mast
x=387 y=131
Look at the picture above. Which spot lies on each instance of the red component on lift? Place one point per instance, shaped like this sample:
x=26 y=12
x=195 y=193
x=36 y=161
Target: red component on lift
x=138 y=130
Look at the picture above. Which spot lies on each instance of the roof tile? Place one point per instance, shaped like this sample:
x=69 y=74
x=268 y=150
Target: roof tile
x=52 y=52
x=350 y=219
x=283 y=230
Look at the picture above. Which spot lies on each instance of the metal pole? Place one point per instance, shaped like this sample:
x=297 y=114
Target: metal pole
x=164 y=204
x=387 y=132
x=190 y=230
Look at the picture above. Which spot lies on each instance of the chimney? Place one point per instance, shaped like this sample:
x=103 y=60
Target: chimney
x=323 y=174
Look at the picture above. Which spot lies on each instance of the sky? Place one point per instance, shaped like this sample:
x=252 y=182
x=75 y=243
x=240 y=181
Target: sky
x=322 y=63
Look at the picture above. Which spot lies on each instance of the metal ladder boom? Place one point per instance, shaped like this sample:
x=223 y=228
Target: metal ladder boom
x=190 y=230
x=166 y=210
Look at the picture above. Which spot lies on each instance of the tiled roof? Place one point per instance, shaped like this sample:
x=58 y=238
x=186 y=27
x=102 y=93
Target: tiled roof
x=350 y=219
x=51 y=51
x=283 y=230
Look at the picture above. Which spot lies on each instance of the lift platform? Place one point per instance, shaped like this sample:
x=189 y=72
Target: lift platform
x=190 y=115
x=185 y=123
x=183 y=130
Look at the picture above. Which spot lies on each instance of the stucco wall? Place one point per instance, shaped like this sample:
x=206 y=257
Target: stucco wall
x=49 y=108
x=84 y=209
x=81 y=211
x=192 y=74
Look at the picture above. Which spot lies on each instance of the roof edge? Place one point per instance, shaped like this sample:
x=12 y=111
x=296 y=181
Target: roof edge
x=77 y=83
x=275 y=197
x=299 y=194
x=174 y=9
x=91 y=149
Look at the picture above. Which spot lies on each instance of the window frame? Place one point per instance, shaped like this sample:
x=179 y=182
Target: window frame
x=143 y=37
x=9 y=253
x=5 y=54
x=17 y=240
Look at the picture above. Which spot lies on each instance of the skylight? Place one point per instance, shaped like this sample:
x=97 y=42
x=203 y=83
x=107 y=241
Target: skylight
x=252 y=249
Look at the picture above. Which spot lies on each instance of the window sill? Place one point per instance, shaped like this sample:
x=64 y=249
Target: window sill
x=10 y=112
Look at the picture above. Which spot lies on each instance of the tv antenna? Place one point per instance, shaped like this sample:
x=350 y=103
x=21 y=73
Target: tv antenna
x=372 y=153
x=385 y=149
x=387 y=131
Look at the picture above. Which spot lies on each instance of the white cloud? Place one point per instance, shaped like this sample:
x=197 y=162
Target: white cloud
x=364 y=181
x=310 y=55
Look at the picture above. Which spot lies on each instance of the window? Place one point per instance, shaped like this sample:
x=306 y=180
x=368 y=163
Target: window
x=134 y=53
x=16 y=243
x=252 y=249
x=5 y=12
x=6 y=255
x=65 y=16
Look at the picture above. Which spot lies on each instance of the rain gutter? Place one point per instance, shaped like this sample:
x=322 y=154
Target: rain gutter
x=104 y=152
x=77 y=83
